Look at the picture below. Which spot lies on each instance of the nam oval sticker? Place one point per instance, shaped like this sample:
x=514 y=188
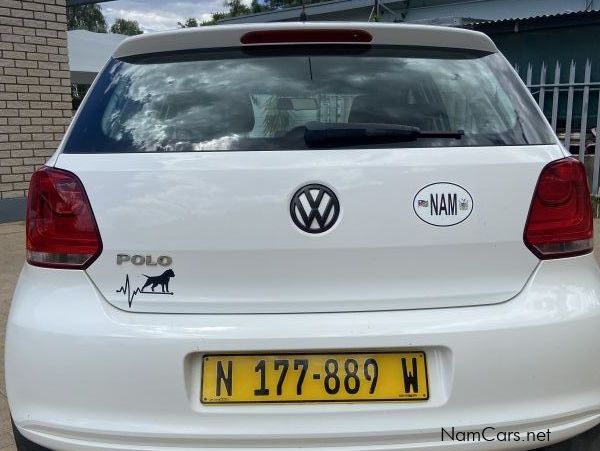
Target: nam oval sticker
x=443 y=204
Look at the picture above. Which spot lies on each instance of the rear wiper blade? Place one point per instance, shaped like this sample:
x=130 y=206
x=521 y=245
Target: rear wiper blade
x=332 y=134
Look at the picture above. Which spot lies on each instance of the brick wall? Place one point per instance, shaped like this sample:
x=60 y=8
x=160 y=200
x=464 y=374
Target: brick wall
x=35 y=92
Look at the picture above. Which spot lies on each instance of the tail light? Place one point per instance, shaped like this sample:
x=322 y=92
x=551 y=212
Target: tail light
x=560 y=222
x=61 y=228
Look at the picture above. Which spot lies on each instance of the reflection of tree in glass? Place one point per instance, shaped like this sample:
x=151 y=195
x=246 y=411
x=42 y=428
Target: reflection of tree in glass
x=277 y=121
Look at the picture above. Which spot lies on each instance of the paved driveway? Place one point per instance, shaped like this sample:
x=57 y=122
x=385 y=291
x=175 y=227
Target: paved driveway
x=12 y=242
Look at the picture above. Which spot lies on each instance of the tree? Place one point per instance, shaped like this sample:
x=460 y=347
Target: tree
x=190 y=22
x=256 y=7
x=236 y=8
x=215 y=18
x=86 y=17
x=126 y=27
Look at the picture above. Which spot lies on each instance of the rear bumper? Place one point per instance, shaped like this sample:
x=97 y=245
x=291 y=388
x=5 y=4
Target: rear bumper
x=83 y=375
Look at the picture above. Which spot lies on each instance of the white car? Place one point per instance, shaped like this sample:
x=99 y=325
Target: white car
x=340 y=236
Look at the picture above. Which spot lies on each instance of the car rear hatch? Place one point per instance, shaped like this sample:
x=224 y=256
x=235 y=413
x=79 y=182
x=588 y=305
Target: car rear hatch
x=194 y=164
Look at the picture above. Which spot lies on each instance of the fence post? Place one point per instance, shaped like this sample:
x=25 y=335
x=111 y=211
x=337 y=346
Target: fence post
x=584 y=110
x=596 y=152
x=570 y=106
x=555 y=92
x=542 y=86
x=529 y=69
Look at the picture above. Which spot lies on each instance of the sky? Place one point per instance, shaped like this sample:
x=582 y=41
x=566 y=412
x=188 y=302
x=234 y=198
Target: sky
x=156 y=15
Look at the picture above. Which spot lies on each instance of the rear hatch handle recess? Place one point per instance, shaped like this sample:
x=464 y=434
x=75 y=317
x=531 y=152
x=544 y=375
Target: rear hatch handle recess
x=331 y=134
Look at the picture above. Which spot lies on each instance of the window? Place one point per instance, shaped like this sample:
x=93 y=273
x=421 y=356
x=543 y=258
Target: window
x=261 y=99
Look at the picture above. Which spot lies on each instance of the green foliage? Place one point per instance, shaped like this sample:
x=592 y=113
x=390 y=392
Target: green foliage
x=256 y=7
x=86 y=17
x=236 y=8
x=215 y=18
x=126 y=27
x=190 y=22
x=77 y=94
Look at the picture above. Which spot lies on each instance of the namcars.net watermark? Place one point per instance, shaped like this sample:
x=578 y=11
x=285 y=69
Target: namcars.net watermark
x=491 y=434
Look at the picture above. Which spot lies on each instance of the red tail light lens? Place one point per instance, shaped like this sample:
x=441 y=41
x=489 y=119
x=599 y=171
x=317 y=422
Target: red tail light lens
x=560 y=222
x=61 y=228
x=307 y=36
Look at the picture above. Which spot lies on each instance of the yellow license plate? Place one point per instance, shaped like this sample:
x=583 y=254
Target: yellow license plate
x=314 y=377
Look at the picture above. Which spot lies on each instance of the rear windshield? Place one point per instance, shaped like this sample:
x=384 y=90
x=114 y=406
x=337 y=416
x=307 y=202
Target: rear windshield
x=262 y=99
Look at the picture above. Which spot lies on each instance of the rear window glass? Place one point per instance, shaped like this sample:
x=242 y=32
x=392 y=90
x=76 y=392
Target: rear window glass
x=262 y=98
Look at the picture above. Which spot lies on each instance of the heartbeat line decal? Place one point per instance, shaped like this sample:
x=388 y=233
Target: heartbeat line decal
x=126 y=290
x=152 y=282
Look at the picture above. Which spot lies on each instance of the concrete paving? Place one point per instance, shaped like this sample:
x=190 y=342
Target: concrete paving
x=12 y=254
x=12 y=244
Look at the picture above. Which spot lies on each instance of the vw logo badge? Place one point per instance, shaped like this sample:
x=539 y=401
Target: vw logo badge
x=315 y=208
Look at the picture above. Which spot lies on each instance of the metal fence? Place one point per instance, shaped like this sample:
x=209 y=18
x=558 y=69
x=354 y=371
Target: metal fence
x=582 y=136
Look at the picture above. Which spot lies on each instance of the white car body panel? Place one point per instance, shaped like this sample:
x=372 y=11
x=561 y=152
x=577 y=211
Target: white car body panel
x=223 y=217
x=142 y=378
x=230 y=35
